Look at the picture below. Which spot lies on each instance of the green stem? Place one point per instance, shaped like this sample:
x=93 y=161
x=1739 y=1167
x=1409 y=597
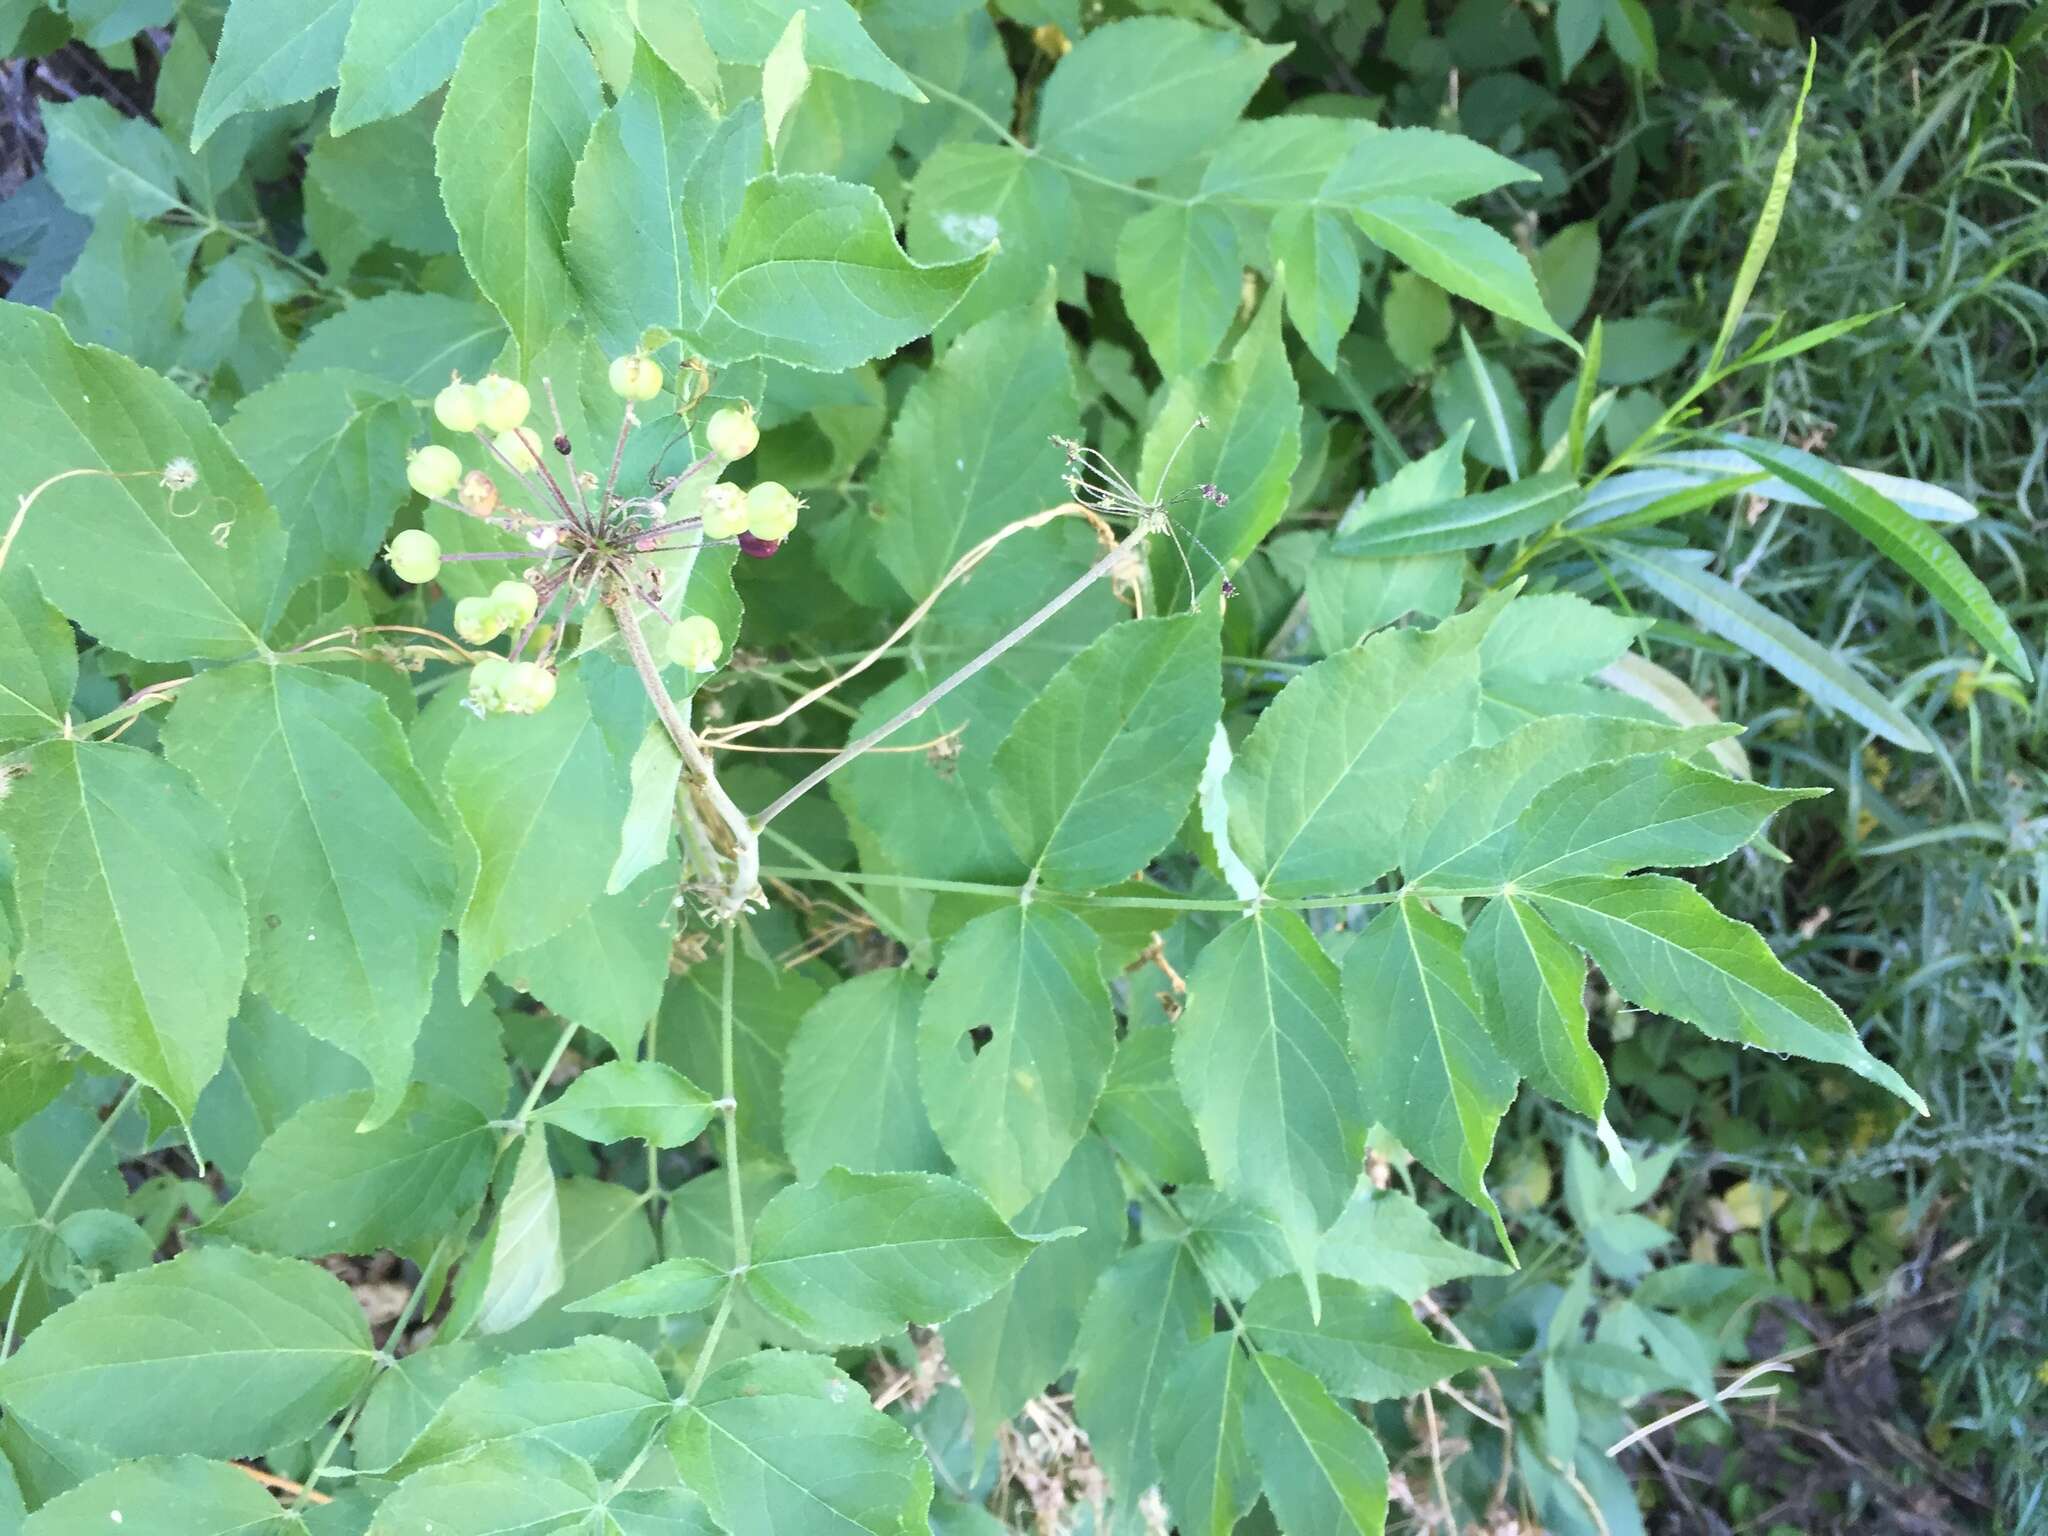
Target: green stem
x=1163 y=902
x=735 y=1199
x=951 y=98
x=818 y=871
x=540 y=1085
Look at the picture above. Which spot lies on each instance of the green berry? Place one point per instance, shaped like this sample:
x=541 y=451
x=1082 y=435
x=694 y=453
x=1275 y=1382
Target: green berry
x=517 y=601
x=529 y=690
x=487 y=683
x=732 y=434
x=459 y=407
x=724 y=510
x=772 y=510
x=433 y=471
x=520 y=448
x=694 y=642
x=479 y=620
x=636 y=377
x=415 y=555
x=506 y=402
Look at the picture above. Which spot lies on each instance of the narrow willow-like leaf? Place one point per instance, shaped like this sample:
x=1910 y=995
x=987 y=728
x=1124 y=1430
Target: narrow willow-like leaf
x=1322 y=1471
x=1765 y=233
x=1663 y=946
x=345 y=855
x=1010 y=1110
x=1261 y=1061
x=1904 y=540
x=1097 y=773
x=1682 y=579
x=1492 y=517
x=524 y=98
x=255 y=1351
x=786 y=1445
x=1533 y=987
x=134 y=937
x=1430 y=1073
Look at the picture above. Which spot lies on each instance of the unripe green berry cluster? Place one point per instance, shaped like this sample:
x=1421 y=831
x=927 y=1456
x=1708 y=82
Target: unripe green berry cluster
x=498 y=686
x=511 y=605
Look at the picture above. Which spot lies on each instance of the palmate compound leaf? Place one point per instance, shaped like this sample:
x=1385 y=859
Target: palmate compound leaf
x=524 y=98
x=812 y=276
x=161 y=576
x=253 y=1351
x=171 y=1496
x=1321 y=791
x=1261 y=1061
x=320 y=1184
x=1430 y=1072
x=349 y=873
x=784 y=1444
x=134 y=937
x=1097 y=773
x=1664 y=946
x=857 y=1255
x=1010 y=1109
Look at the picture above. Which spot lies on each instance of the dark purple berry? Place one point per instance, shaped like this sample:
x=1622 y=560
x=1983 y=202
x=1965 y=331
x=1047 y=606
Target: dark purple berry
x=760 y=549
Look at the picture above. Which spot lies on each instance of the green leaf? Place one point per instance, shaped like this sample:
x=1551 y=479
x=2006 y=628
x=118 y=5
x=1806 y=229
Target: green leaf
x=537 y=798
x=1321 y=791
x=1205 y=1465
x=1902 y=539
x=1318 y=263
x=103 y=163
x=629 y=245
x=849 y=1091
x=404 y=1399
x=1007 y=1349
x=1460 y=255
x=1465 y=522
x=625 y=1099
x=768 y=1005
x=1436 y=1080
x=526 y=1266
x=598 y=1399
x=330 y=448
x=38 y=661
x=607 y=969
x=1097 y=773
x=255 y=1352
x=396 y=52
x=1323 y=1472
x=1418 y=162
x=1681 y=578
x=36 y=1062
x=126 y=292
x=163 y=577
x=1144 y=1317
x=410 y=340
x=1664 y=947
x=344 y=853
x=1533 y=988
x=1249 y=450
x=971 y=449
x=1261 y=1062
x=1351 y=596
x=966 y=195
x=524 y=98
x=812 y=276
x=1141 y=1114
x=1010 y=1110
x=318 y=1186
x=746 y=32
x=1765 y=233
x=667 y=1289
x=273 y=1069
x=134 y=935
x=785 y=1445
x=1385 y=1240
x=1140 y=96
x=178 y=1496
x=1366 y=1345
x=856 y=1255
x=1182 y=277
x=271 y=53
x=513 y=1488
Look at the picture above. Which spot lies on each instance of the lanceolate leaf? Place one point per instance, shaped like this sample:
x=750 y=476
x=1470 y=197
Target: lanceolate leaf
x=134 y=938
x=1492 y=517
x=858 y=1254
x=1533 y=987
x=785 y=1445
x=254 y=1351
x=1430 y=1073
x=1098 y=771
x=524 y=98
x=1261 y=1061
x=1322 y=1470
x=1903 y=539
x=346 y=857
x=1009 y=1108
x=1664 y=946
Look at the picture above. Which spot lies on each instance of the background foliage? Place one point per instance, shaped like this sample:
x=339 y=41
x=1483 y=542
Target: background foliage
x=293 y=216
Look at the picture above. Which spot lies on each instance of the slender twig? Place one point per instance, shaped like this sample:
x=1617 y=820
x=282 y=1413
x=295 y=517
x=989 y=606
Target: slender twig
x=735 y=1198
x=1738 y=1388
x=568 y=454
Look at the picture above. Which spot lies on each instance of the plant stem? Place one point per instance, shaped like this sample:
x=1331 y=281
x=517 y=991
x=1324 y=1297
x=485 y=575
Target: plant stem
x=1165 y=901
x=910 y=712
x=735 y=1198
